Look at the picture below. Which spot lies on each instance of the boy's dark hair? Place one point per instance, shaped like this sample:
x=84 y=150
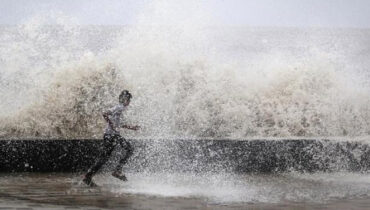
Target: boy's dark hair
x=125 y=95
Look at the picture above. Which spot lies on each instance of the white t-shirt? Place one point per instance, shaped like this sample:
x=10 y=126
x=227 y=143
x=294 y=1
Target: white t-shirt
x=115 y=117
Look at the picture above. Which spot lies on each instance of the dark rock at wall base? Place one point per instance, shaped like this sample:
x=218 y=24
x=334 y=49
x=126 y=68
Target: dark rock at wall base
x=239 y=156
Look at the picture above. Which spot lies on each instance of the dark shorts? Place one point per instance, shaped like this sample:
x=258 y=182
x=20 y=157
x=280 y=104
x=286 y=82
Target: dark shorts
x=111 y=140
x=109 y=143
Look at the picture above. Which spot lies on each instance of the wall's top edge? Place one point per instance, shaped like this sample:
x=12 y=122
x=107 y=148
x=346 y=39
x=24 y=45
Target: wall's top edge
x=348 y=139
x=204 y=139
x=336 y=138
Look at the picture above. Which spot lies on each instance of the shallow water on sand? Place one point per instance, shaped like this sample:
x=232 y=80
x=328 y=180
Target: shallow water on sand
x=190 y=191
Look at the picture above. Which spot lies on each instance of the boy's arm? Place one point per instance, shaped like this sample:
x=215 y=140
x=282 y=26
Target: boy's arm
x=134 y=127
x=106 y=117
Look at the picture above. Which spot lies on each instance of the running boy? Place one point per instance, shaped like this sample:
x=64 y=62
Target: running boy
x=112 y=137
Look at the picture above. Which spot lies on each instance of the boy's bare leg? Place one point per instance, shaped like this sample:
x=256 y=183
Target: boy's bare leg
x=108 y=147
x=92 y=171
x=118 y=170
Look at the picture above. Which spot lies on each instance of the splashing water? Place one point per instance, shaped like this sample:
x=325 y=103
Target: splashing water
x=227 y=188
x=191 y=79
x=188 y=80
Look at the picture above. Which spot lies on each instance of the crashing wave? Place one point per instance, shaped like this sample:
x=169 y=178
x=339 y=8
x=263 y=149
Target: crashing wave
x=183 y=86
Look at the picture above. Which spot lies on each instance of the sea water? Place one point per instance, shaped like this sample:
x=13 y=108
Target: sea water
x=192 y=81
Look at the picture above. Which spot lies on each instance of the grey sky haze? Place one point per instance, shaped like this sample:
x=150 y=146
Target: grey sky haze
x=301 y=13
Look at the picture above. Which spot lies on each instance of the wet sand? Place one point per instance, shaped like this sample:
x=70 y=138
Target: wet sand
x=29 y=191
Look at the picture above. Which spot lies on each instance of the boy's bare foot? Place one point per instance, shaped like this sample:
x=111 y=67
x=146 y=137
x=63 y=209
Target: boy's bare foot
x=88 y=181
x=119 y=175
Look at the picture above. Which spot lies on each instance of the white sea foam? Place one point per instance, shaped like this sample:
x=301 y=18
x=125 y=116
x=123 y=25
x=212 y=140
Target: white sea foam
x=228 y=188
x=188 y=79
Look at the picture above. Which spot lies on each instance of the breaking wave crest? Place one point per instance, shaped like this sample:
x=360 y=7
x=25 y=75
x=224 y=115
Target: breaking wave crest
x=185 y=83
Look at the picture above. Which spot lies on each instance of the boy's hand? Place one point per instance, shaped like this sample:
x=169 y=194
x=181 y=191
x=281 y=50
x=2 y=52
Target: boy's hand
x=135 y=127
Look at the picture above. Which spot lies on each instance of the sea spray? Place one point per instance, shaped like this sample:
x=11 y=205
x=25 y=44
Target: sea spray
x=187 y=80
x=70 y=108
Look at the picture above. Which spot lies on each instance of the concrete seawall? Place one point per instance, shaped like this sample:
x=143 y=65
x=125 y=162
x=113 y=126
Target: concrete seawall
x=240 y=156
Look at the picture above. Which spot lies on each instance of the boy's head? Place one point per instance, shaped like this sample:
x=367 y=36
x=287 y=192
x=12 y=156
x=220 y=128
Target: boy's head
x=125 y=97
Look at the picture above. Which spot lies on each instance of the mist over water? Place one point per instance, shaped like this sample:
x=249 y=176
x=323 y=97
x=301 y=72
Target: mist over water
x=190 y=79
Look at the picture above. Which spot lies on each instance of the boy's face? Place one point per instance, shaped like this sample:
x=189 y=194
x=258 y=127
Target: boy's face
x=126 y=102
